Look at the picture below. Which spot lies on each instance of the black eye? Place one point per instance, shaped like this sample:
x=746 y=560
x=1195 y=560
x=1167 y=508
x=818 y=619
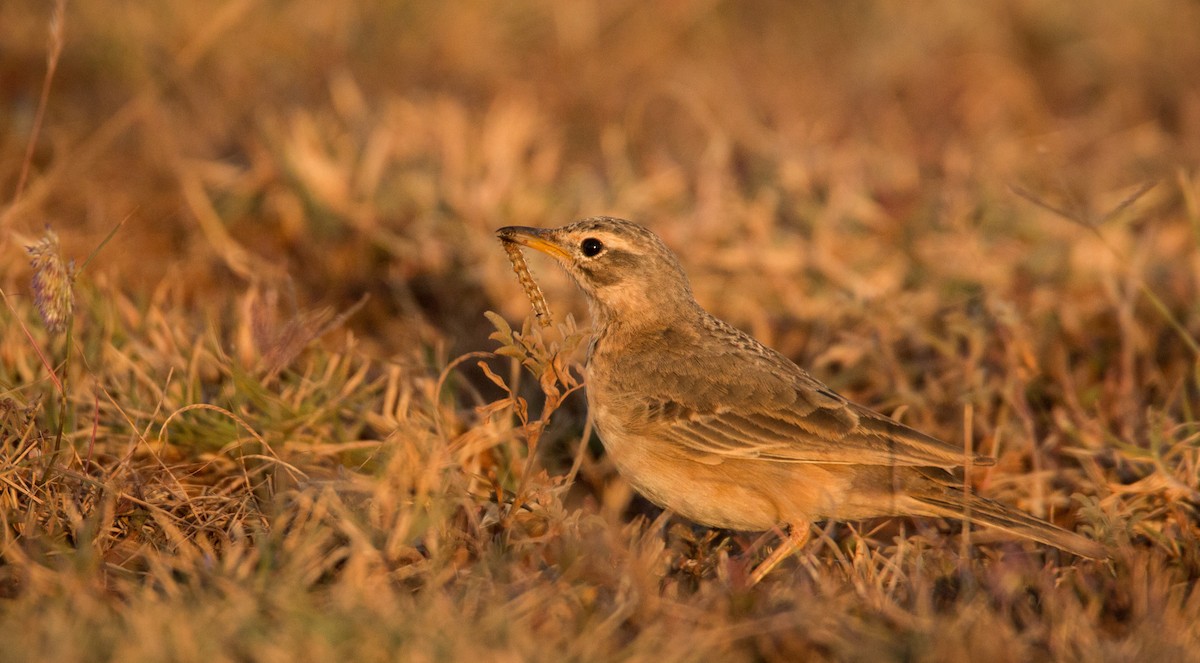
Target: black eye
x=591 y=247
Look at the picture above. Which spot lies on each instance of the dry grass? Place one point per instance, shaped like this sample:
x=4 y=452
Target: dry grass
x=945 y=210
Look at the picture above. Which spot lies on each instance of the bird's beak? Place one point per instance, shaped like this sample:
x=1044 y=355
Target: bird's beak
x=534 y=238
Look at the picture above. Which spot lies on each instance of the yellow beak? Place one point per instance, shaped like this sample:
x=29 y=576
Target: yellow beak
x=534 y=238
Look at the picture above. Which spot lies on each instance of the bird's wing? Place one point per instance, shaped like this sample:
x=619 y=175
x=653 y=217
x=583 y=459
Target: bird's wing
x=734 y=398
x=797 y=420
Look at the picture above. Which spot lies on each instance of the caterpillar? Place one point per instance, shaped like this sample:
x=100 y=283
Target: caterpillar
x=532 y=291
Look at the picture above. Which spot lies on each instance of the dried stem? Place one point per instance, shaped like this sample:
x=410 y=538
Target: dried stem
x=52 y=56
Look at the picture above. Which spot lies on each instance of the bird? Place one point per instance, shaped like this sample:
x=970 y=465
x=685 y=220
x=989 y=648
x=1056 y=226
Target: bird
x=708 y=423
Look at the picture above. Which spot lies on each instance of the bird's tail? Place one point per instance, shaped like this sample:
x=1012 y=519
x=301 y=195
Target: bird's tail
x=951 y=502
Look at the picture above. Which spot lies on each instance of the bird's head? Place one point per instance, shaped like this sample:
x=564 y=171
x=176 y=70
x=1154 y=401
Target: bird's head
x=625 y=270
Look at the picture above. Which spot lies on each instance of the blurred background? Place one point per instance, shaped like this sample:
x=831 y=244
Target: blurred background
x=798 y=155
x=874 y=188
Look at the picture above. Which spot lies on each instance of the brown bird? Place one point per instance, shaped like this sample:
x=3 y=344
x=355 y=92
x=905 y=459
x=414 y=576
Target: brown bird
x=707 y=422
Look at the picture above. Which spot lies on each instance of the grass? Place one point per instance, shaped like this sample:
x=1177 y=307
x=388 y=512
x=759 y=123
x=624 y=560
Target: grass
x=277 y=423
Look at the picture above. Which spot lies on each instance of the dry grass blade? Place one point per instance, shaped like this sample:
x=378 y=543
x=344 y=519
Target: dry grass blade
x=53 y=53
x=1128 y=201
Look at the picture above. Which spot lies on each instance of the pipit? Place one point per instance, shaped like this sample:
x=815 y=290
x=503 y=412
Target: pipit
x=707 y=422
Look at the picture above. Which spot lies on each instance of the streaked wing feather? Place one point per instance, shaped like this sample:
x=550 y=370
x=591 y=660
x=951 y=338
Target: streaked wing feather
x=836 y=432
x=782 y=413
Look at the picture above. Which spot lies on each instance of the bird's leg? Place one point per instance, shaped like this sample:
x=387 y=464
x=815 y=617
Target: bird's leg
x=797 y=536
x=737 y=568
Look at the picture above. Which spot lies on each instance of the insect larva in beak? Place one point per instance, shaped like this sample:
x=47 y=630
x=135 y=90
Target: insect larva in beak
x=532 y=291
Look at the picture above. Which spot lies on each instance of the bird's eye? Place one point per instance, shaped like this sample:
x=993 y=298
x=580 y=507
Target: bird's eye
x=591 y=247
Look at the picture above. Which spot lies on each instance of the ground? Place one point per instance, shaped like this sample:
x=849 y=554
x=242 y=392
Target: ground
x=266 y=414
